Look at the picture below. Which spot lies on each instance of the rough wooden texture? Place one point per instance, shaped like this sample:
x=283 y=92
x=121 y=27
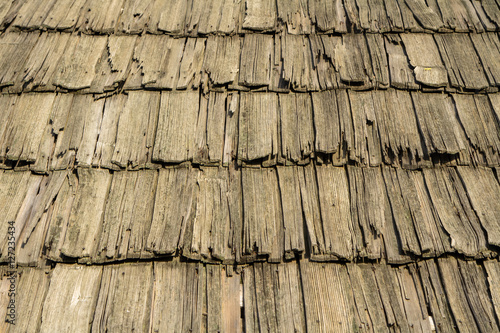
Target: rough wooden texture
x=124 y=302
x=85 y=220
x=61 y=297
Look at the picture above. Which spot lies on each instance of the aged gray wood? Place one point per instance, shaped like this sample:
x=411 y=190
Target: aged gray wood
x=32 y=14
x=106 y=141
x=328 y=15
x=85 y=220
x=124 y=302
x=326 y=122
x=294 y=13
x=401 y=75
x=190 y=71
x=174 y=209
x=136 y=130
x=493 y=275
x=425 y=15
x=63 y=15
x=231 y=134
x=258 y=126
x=222 y=59
x=335 y=211
x=255 y=61
x=61 y=295
x=428 y=66
x=100 y=17
x=259 y=15
x=487 y=46
x=177 y=123
x=14 y=52
x=298 y=69
x=263 y=219
x=464 y=67
x=77 y=66
x=168 y=16
x=90 y=130
x=134 y=16
x=23 y=132
x=128 y=215
x=113 y=67
x=296 y=126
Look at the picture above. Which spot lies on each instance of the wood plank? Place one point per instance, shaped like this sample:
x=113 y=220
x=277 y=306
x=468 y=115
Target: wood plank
x=76 y=68
x=328 y=301
x=428 y=66
x=124 y=301
x=113 y=66
x=177 y=123
x=258 y=127
x=326 y=122
x=134 y=145
x=367 y=150
x=255 y=61
x=99 y=17
x=425 y=14
x=134 y=16
x=401 y=75
x=296 y=127
x=493 y=275
x=299 y=73
x=167 y=16
x=190 y=71
x=292 y=211
x=65 y=280
x=63 y=15
x=231 y=133
x=178 y=288
x=263 y=219
x=128 y=215
x=60 y=211
x=90 y=130
x=294 y=13
x=32 y=14
x=488 y=49
x=461 y=60
x=460 y=16
x=328 y=16
x=484 y=193
x=466 y=235
x=85 y=221
x=335 y=211
x=401 y=214
x=106 y=141
x=38 y=71
x=438 y=123
x=353 y=60
x=23 y=133
x=169 y=217
x=222 y=59
x=15 y=50
x=260 y=15
x=378 y=55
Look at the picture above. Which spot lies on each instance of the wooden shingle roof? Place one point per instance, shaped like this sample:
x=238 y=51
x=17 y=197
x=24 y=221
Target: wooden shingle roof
x=250 y=165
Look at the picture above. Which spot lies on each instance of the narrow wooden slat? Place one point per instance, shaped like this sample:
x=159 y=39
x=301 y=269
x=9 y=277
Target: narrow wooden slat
x=260 y=15
x=190 y=71
x=428 y=66
x=15 y=50
x=91 y=128
x=168 y=16
x=425 y=15
x=401 y=75
x=298 y=67
x=326 y=122
x=488 y=49
x=231 y=134
x=461 y=60
x=297 y=134
x=263 y=219
x=63 y=15
x=124 y=301
x=99 y=17
x=171 y=218
x=77 y=66
x=328 y=16
x=460 y=16
x=112 y=69
x=255 y=65
x=258 y=128
x=294 y=13
x=354 y=60
x=222 y=59
x=484 y=193
x=493 y=274
x=135 y=16
x=61 y=297
x=84 y=226
x=176 y=127
x=133 y=145
x=335 y=211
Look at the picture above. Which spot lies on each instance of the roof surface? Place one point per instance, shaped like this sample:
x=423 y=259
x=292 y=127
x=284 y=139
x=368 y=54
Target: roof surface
x=250 y=166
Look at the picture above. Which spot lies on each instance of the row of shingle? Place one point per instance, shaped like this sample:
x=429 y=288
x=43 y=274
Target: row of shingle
x=282 y=62
x=443 y=295
x=47 y=131
x=322 y=212
x=192 y=18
